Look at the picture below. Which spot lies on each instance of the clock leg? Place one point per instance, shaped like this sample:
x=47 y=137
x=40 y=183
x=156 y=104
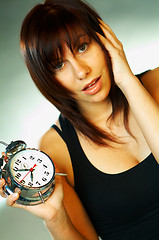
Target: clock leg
x=41 y=197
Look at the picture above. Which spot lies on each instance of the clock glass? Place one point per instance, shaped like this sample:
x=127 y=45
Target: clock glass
x=32 y=168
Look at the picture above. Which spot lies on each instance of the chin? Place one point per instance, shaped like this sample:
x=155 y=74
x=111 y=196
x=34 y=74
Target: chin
x=100 y=97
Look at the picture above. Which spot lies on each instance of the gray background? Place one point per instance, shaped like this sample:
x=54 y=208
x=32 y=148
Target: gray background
x=26 y=115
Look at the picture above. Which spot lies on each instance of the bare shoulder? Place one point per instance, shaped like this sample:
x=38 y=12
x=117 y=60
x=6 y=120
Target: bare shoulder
x=151 y=82
x=52 y=144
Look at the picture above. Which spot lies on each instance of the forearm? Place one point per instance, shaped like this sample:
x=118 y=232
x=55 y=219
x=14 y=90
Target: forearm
x=145 y=110
x=61 y=228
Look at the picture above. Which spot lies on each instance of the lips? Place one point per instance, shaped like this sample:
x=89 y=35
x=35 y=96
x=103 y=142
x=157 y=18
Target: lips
x=93 y=87
x=90 y=85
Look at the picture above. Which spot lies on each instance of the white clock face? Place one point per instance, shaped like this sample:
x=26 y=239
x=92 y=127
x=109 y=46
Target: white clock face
x=32 y=168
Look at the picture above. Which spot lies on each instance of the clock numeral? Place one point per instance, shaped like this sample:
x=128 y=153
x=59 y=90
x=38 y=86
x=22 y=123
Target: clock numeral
x=32 y=158
x=44 y=179
x=15 y=169
x=47 y=173
x=18 y=175
x=24 y=158
x=38 y=183
x=39 y=160
x=30 y=184
x=22 y=182
x=17 y=162
x=44 y=166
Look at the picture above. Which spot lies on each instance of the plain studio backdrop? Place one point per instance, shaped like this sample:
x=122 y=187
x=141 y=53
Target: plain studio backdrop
x=26 y=115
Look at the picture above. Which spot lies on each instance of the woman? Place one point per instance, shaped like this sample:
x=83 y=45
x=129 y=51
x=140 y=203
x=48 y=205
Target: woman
x=106 y=138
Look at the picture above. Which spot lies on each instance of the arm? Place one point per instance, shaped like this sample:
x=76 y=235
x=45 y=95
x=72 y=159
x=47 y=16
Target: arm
x=63 y=213
x=144 y=106
x=75 y=224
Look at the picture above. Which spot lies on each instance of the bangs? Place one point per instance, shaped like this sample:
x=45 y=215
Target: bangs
x=62 y=30
x=71 y=36
x=50 y=28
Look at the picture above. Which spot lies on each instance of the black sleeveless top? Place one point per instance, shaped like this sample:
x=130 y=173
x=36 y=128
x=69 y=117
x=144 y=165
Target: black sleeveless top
x=123 y=206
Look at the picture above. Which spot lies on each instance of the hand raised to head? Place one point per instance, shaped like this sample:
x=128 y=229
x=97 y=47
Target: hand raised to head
x=120 y=66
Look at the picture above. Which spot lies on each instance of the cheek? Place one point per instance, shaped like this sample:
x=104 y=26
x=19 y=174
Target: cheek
x=106 y=77
x=65 y=78
x=98 y=55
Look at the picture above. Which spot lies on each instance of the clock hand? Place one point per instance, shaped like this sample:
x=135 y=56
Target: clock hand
x=25 y=169
x=30 y=170
x=32 y=176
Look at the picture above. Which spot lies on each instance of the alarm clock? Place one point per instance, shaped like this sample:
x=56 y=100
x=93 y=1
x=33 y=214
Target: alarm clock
x=29 y=171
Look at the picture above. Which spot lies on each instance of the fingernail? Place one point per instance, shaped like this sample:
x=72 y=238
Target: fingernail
x=15 y=195
x=17 y=190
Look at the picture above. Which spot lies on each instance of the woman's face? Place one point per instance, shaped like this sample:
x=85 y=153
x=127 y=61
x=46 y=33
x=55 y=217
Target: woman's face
x=84 y=72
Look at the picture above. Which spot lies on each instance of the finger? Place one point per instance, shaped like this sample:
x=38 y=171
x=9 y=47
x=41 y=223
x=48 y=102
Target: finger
x=2 y=183
x=108 y=45
x=114 y=51
x=11 y=200
x=2 y=194
x=106 y=26
x=110 y=35
x=103 y=24
x=112 y=38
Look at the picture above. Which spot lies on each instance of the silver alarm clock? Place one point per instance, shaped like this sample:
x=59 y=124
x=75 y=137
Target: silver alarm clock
x=30 y=171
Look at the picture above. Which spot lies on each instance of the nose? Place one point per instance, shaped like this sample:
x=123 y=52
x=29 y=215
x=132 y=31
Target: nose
x=81 y=69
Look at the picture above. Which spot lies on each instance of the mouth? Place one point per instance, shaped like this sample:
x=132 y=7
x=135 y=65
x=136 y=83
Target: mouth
x=91 y=85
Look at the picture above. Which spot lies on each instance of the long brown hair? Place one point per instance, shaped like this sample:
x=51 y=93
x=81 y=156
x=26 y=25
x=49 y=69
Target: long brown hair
x=44 y=31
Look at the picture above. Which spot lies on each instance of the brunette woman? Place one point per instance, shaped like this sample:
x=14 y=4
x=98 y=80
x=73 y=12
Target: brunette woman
x=106 y=138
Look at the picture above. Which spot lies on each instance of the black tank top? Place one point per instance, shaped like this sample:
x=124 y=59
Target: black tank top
x=123 y=206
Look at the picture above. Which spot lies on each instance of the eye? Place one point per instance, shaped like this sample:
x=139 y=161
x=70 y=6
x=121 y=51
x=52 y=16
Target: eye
x=83 y=47
x=59 y=65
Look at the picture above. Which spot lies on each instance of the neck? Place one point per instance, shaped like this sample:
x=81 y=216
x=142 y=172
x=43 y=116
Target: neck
x=97 y=113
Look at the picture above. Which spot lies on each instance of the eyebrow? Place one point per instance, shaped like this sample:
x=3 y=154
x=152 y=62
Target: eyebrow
x=85 y=36
x=73 y=46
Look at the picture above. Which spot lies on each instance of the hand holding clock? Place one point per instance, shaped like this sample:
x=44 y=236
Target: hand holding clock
x=15 y=183
x=51 y=206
